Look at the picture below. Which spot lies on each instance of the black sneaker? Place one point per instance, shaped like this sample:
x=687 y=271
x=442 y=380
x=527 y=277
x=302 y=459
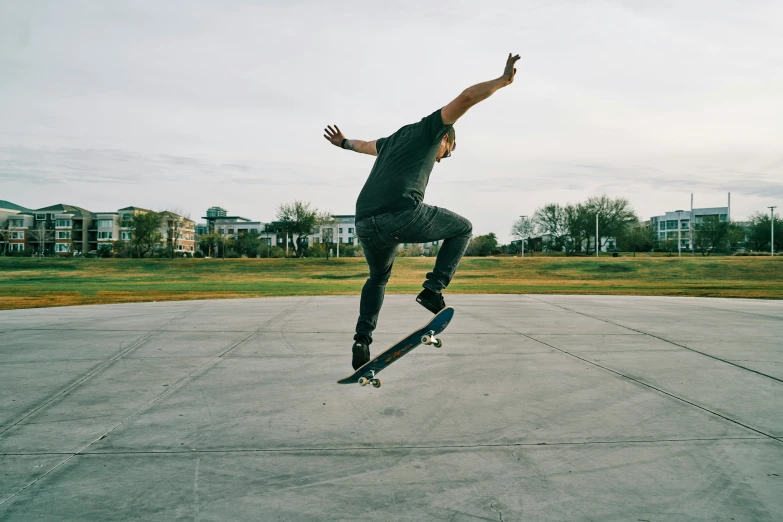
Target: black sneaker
x=361 y=353
x=431 y=301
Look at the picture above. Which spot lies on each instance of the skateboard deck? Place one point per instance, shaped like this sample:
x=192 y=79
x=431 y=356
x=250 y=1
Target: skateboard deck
x=424 y=335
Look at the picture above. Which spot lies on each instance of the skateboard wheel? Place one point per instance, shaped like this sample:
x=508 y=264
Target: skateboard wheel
x=426 y=339
x=376 y=383
x=363 y=381
x=438 y=343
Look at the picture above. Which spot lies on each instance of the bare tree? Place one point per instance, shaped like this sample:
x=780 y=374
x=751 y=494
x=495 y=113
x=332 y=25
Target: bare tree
x=551 y=220
x=325 y=223
x=5 y=235
x=523 y=228
x=174 y=220
x=41 y=234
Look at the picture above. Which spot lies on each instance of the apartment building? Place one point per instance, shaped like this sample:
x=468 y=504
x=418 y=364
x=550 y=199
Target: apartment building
x=14 y=221
x=70 y=230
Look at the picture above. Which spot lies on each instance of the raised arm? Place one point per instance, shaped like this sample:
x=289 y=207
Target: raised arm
x=336 y=138
x=478 y=93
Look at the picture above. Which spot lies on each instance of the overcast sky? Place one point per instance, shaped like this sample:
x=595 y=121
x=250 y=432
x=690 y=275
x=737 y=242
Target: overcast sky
x=189 y=104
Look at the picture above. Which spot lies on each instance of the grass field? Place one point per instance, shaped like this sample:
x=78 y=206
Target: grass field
x=29 y=283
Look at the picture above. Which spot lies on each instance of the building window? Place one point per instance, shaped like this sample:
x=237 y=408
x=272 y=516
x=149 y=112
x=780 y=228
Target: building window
x=40 y=217
x=105 y=235
x=16 y=247
x=663 y=225
x=724 y=217
x=17 y=235
x=340 y=231
x=64 y=234
x=125 y=235
x=16 y=222
x=62 y=247
x=350 y=241
x=63 y=223
x=350 y=231
x=105 y=223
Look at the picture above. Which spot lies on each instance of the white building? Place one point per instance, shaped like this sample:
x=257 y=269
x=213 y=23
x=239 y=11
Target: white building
x=669 y=225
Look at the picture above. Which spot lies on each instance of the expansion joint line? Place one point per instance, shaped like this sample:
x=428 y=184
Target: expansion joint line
x=149 y=403
x=620 y=374
x=660 y=339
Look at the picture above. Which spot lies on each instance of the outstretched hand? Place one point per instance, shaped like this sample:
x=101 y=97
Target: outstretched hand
x=510 y=70
x=335 y=137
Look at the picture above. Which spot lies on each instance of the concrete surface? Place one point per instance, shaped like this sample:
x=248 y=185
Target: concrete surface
x=537 y=408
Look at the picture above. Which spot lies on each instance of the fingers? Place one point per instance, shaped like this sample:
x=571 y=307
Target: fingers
x=332 y=132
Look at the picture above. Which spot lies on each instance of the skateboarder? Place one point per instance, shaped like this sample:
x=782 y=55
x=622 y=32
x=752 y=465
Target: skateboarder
x=390 y=209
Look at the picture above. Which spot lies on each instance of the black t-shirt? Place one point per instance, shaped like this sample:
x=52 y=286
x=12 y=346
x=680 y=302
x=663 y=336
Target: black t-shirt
x=402 y=169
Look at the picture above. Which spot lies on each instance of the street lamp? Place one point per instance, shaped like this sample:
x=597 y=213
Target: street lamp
x=522 y=223
x=597 y=240
x=772 y=230
x=679 y=228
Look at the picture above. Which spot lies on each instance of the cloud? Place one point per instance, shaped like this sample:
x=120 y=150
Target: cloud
x=110 y=166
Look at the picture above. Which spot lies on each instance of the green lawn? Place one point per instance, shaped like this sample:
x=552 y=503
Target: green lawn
x=28 y=282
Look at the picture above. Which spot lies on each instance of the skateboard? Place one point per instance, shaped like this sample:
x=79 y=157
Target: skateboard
x=367 y=374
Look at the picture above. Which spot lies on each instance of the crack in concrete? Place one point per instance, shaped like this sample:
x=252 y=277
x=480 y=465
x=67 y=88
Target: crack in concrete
x=492 y=505
x=381 y=448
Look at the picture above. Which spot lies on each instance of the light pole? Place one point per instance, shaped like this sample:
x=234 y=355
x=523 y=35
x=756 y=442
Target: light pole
x=522 y=223
x=679 y=228
x=597 y=240
x=772 y=231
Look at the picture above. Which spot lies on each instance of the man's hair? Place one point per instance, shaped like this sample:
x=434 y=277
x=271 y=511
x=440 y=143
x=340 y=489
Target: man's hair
x=452 y=135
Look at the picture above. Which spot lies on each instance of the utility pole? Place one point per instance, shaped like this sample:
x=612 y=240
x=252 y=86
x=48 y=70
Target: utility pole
x=691 y=229
x=522 y=237
x=772 y=231
x=597 y=241
x=679 y=228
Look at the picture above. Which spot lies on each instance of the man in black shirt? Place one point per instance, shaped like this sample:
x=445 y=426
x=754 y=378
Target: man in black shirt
x=391 y=210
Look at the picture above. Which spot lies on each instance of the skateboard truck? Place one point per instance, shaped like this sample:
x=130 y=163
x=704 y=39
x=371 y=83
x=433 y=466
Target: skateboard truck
x=363 y=381
x=429 y=338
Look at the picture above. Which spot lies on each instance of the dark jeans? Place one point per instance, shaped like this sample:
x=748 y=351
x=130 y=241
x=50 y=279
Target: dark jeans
x=381 y=235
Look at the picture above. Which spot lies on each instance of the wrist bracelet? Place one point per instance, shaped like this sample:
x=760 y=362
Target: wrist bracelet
x=342 y=145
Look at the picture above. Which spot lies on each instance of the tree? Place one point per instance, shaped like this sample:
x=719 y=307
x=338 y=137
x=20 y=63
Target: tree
x=552 y=221
x=325 y=222
x=42 y=235
x=5 y=235
x=615 y=215
x=523 y=228
x=636 y=238
x=669 y=244
x=145 y=232
x=248 y=243
x=714 y=235
x=483 y=245
x=299 y=219
x=105 y=250
x=208 y=243
x=760 y=230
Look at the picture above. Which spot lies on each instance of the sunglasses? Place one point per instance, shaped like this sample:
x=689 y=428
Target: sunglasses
x=448 y=153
